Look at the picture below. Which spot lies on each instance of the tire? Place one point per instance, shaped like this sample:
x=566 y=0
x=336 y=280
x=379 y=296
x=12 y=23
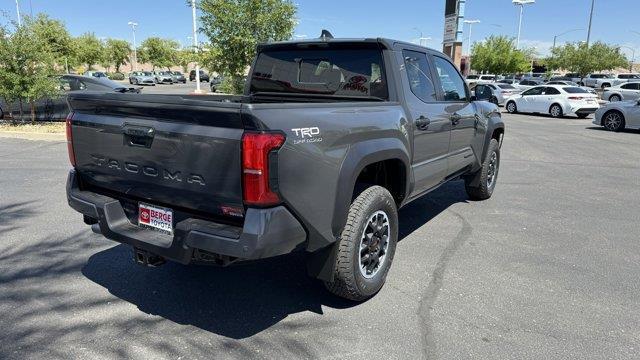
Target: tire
x=555 y=111
x=613 y=121
x=352 y=281
x=512 y=108
x=615 y=97
x=494 y=100
x=130 y=82
x=582 y=116
x=1 y=114
x=487 y=176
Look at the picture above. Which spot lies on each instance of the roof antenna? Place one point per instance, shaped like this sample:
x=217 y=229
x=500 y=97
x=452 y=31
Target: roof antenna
x=325 y=35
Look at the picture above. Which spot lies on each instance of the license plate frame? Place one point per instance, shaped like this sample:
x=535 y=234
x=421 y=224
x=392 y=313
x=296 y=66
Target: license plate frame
x=155 y=217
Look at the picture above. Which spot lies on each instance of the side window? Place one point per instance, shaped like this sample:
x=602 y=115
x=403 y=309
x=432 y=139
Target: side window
x=628 y=86
x=418 y=74
x=534 y=91
x=551 y=91
x=452 y=84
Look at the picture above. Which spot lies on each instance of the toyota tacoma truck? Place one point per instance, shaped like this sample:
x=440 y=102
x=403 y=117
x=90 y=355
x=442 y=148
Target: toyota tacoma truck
x=330 y=138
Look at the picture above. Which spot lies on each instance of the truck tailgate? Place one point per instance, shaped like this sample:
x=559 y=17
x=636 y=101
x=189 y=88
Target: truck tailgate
x=174 y=151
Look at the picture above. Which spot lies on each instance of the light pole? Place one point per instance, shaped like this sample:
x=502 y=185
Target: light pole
x=135 y=52
x=195 y=45
x=470 y=22
x=590 y=18
x=564 y=33
x=522 y=3
x=633 y=56
x=18 y=11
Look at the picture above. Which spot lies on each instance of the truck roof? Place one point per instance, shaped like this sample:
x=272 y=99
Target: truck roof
x=384 y=42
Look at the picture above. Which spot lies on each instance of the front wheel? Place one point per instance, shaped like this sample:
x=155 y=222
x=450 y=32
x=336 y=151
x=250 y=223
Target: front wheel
x=511 y=107
x=613 y=121
x=366 y=246
x=555 y=111
x=480 y=185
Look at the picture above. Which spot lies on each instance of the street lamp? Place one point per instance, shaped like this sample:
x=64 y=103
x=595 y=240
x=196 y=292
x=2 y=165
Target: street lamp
x=422 y=37
x=470 y=22
x=135 y=52
x=18 y=11
x=590 y=18
x=522 y=3
x=564 y=33
x=195 y=44
x=633 y=56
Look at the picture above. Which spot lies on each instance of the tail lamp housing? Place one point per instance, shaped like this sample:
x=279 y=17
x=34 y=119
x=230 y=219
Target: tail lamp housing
x=72 y=154
x=256 y=147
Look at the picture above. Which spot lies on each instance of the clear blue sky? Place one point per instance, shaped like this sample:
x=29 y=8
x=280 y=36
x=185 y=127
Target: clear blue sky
x=613 y=19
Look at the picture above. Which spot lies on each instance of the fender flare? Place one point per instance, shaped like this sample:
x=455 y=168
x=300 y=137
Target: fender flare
x=358 y=157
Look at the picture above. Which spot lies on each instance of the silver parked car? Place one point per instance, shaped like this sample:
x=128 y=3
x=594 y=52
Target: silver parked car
x=142 y=78
x=626 y=91
x=179 y=77
x=164 y=77
x=496 y=93
x=616 y=116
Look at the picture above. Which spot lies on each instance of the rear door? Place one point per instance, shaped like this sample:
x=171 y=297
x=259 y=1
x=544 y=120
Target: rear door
x=431 y=124
x=460 y=111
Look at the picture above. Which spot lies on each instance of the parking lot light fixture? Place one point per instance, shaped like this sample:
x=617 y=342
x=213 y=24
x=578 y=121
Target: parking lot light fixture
x=633 y=56
x=135 y=53
x=470 y=22
x=521 y=3
x=555 y=37
x=195 y=44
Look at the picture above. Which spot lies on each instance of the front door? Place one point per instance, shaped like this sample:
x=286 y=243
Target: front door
x=430 y=124
x=461 y=113
x=529 y=98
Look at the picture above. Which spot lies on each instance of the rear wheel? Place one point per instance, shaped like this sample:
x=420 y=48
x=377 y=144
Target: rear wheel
x=480 y=185
x=614 y=98
x=555 y=111
x=582 y=116
x=366 y=246
x=511 y=107
x=613 y=121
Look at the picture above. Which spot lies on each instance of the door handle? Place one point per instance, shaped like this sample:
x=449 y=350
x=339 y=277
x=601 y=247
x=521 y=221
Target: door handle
x=422 y=123
x=455 y=118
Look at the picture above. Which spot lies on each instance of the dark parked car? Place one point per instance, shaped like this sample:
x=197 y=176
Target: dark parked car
x=53 y=109
x=98 y=74
x=326 y=144
x=179 y=77
x=203 y=76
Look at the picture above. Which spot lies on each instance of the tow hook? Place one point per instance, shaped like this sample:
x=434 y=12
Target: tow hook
x=145 y=258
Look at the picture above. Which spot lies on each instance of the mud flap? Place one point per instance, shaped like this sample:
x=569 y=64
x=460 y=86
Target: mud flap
x=321 y=263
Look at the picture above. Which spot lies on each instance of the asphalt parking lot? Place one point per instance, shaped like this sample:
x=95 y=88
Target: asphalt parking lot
x=546 y=269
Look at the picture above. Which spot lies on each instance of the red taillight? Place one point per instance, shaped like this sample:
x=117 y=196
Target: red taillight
x=72 y=155
x=255 y=167
x=575 y=97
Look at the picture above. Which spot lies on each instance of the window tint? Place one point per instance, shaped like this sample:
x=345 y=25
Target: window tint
x=452 y=84
x=551 y=91
x=575 y=90
x=534 y=91
x=327 y=71
x=483 y=92
x=418 y=74
x=628 y=86
x=506 y=86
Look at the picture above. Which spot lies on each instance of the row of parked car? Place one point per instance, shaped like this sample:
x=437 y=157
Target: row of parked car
x=596 y=81
x=557 y=98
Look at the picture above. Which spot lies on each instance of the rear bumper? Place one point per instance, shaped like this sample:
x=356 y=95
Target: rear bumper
x=265 y=233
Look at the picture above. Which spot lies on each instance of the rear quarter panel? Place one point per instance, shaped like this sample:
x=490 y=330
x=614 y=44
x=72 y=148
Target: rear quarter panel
x=317 y=169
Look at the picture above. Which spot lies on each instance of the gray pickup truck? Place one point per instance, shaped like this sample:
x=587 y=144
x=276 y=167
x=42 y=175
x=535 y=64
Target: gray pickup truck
x=329 y=140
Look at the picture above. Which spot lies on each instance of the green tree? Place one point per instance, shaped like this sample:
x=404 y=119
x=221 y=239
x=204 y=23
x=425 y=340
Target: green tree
x=158 y=52
x=55 y=38
x=89 y=49
x=235 y=27
x=117 y=52
x=583 y=59
x=498 y=55
x=26 y=66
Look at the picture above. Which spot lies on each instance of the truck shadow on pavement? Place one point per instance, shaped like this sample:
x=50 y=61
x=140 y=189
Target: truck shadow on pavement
x=244 y=299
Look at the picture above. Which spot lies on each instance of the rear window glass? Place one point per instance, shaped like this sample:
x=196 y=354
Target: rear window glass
x=345 y=72
x=575 y=90
x=487 y=78
x=506 y=86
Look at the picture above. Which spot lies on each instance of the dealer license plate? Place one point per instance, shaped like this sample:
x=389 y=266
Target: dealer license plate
x=155 y=217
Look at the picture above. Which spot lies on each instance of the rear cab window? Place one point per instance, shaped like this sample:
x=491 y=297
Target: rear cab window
x=326 y=71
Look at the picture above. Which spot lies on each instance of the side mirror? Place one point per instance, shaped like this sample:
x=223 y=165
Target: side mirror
x=474 y=98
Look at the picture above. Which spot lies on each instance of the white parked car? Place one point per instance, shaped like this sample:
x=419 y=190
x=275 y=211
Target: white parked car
x=625 y=91
x=555 y=100
x=496 y=93
x=616 y=116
